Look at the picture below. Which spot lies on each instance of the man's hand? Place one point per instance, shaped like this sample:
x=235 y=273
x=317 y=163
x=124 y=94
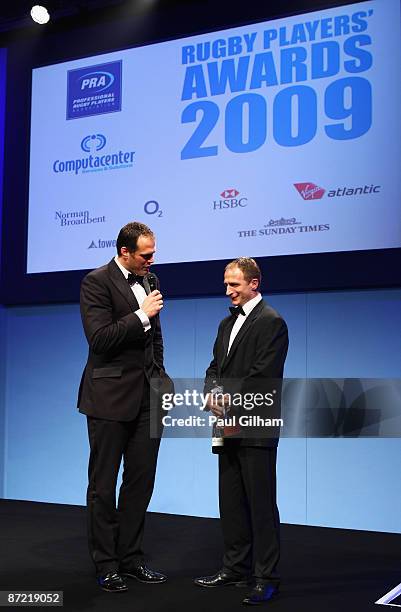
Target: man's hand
x=217 y=403
x=217 y=411
x=152 y=304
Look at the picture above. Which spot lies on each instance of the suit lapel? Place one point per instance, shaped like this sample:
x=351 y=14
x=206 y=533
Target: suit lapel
x=251 y=318
x=122 y=285
x=226 y=338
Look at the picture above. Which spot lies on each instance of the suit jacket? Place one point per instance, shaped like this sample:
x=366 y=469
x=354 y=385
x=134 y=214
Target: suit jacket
x=121 y=354
x=254 y=364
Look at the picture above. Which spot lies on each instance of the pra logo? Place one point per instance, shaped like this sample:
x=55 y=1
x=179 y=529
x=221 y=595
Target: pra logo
x=93 y=143
x=100 y=81
x=229 y=199
x=94 y=90
x=310 y=191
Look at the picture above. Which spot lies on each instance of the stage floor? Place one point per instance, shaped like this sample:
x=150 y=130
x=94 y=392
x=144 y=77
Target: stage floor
x=43 y=547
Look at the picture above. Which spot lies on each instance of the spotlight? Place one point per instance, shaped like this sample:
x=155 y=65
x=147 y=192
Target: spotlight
x=40 y=14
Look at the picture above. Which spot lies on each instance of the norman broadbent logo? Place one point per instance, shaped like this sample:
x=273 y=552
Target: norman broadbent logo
x=94 y=90
x=309 y=191
x=77 y=217
x=92 y=162
x=229 y=199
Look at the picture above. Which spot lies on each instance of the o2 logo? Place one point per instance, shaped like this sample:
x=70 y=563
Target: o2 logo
x=347 y=107
x=152 y=207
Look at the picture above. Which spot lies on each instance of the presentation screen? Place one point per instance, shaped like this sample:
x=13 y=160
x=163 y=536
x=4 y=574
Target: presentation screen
x=270 y=139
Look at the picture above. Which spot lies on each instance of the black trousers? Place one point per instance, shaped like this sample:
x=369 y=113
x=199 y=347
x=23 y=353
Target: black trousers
x=248 y=510
x=115 y=534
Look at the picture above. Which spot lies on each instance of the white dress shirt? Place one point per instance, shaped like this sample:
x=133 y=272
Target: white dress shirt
x=140 y=295
x=247 y=308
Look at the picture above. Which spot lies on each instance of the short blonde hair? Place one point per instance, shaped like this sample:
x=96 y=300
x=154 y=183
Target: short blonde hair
x=248 y=266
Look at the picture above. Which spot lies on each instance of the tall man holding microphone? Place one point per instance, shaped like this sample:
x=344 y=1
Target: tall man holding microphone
x=120 y=305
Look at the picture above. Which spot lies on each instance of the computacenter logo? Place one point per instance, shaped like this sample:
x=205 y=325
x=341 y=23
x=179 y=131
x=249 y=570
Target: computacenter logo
x=92 y=144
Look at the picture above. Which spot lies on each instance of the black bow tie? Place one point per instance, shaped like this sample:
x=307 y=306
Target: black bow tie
x=237 y=310
x=135 y=278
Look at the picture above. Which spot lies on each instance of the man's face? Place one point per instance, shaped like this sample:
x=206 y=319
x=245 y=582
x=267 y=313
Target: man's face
x=140 y=260
x=239 y=290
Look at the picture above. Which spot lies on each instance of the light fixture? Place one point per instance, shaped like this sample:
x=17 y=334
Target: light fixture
x=40 y=14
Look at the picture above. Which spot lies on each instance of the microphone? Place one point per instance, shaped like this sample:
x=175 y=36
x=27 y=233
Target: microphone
x=152 y=281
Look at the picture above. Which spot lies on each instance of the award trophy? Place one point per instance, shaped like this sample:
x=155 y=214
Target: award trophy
x=223 y=427
x=217 y=430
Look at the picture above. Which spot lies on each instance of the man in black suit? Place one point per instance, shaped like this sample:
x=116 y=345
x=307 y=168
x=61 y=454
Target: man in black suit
x=120 y=305
x=248 y=360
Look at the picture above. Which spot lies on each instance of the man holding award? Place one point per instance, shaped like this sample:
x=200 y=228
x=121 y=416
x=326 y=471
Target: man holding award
x=248 y=359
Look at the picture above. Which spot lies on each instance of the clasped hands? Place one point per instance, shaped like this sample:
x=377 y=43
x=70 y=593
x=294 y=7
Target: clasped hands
x=218 y=403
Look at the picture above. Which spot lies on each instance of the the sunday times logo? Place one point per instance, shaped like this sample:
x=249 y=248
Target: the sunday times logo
x=229 y=199
x=94 y=90
x=283 y=227
x=92 y=162
x=310 y=191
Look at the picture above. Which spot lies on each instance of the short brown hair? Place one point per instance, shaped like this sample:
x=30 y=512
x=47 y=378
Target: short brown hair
x=248 y=266
x=129 y=234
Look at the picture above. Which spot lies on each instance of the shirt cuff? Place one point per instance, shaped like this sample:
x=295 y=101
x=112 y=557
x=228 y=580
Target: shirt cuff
x=144 y=319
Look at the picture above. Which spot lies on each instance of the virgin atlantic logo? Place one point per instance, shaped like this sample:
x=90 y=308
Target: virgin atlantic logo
x=309 y=191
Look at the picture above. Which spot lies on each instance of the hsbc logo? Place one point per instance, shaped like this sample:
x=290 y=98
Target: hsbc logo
x=229 y=193
x=309 y=191
x=229 y=199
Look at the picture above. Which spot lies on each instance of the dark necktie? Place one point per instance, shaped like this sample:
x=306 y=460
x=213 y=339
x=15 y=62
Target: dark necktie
x=237 y=310
x=135 y=278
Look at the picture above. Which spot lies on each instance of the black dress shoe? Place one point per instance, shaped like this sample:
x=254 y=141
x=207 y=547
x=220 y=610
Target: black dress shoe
x=222 y=578
x=144 y=574
x=260 y=594
x=112 y=582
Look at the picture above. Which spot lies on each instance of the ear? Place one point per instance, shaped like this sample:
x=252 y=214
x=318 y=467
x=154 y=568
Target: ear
x=124 y=251
x=254 y=284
